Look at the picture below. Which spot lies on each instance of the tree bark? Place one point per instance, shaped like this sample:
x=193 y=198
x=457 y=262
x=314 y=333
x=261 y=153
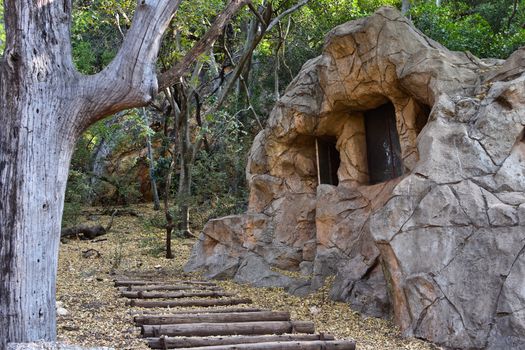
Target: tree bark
x=36 y=144
x=169 y=295
x=176 y=112
x=165 y=342
x=213 y=318
x=206 y=310
x=167 y=287
x=87 y=231
x=242 y=328
x=184 y=194
x=172 y=75
x=134 y=283
x=292 y=345
x=151 y=163
x=513 y=14
x=45 y=104
x=197 y=302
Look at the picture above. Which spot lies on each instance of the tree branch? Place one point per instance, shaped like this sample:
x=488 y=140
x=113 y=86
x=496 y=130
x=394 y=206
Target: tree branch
x=514 y=10
x=248 y=52
x=286 y=13
x=173 y=74
x=257 y=14
x=130 y=79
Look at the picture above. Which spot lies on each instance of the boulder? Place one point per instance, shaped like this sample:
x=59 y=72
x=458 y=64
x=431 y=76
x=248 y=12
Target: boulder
x=436 y=237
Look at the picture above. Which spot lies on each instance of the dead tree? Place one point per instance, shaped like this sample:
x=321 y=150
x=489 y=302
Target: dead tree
x=45 y=105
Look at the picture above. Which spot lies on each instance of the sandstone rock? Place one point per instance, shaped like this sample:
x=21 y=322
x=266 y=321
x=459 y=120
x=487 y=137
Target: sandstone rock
x=255 y=271
x=440 y=248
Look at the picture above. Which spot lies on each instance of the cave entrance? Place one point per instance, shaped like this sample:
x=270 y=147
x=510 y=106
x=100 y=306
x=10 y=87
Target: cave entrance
x=328 y=161
x=382 y=144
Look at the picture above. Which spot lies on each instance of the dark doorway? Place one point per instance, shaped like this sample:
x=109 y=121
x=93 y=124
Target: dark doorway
x=328 y=161
x=382 y=144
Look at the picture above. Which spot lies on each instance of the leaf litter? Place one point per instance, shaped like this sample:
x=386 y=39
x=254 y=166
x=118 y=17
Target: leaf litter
x=97 y=316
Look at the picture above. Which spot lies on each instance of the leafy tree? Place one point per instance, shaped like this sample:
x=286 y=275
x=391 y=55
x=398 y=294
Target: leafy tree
x=485 y=28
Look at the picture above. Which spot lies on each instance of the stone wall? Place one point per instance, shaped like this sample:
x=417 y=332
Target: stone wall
x=440 y=248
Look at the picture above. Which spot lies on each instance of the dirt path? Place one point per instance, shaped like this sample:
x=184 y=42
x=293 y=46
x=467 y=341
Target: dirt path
x=97 y=316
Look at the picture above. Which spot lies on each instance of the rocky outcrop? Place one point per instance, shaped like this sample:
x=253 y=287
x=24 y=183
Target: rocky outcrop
x=440 y=247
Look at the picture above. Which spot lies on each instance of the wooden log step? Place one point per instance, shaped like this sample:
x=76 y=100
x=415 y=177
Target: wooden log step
x=208 y=310
x=169 y=295
x=153 y=287
x=192 y=302
x=212 y=318
x=242 y=328
x=165 y=342
x=302 y=345
x=126 y=283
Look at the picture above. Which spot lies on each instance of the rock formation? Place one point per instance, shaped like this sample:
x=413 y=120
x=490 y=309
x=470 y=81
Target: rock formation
x=425 y=221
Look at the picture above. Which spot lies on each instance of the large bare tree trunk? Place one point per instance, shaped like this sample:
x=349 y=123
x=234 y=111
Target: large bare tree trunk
x=45 y=104
x=36 y=143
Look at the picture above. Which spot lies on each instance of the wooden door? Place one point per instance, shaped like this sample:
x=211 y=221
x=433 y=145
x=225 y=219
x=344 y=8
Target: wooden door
x=382 y=144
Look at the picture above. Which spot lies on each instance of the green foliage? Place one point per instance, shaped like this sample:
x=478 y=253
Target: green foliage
x=96 y=31
x=218 y=177
x=77 y=194
x=483 y=29
x=119 y=134
x=2 y=28
x=193 y=19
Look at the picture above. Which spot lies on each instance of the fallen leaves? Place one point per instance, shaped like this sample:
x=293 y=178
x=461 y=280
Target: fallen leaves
x=97 y=316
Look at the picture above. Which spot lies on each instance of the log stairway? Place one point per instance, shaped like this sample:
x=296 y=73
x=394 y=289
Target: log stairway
x=199 y=315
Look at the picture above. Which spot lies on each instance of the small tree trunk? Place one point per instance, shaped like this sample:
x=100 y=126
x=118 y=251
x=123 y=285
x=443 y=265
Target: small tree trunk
x=169 y=218
x=151 y=162
x=169 y=175
x=405 y=7
x=187 y=152
x=185 y=176
x=156 y=201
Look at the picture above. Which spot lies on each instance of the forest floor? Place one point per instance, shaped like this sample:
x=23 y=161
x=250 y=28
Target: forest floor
x=96 y=315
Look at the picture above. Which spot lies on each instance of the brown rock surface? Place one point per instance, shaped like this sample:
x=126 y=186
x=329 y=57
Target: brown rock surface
x=440 y=247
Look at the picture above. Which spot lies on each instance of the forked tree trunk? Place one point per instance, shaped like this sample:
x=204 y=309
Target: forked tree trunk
x=37 y=83
x=45 y=104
